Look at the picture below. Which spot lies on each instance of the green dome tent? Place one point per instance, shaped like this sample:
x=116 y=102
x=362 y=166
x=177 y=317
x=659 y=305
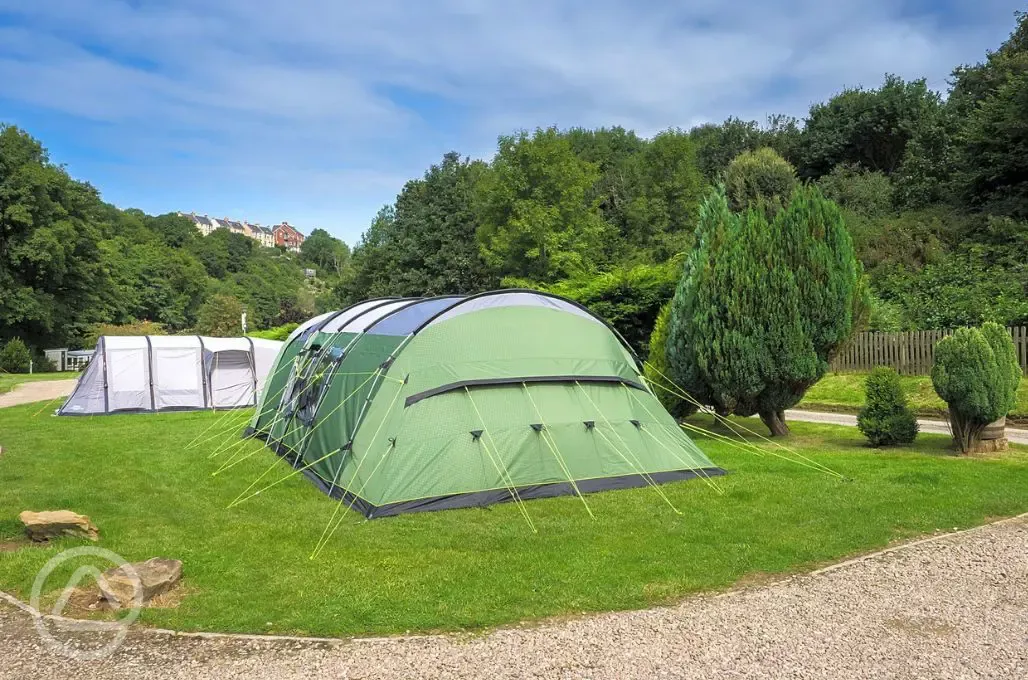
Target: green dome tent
x=406 y=405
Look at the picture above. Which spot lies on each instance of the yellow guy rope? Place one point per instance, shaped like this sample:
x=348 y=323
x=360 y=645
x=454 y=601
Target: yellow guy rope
x=326 y=535
x=698 y=466
x=685 y=395
x=641 y=472
x=552 y=445
x=513 y=489
x=324 y=420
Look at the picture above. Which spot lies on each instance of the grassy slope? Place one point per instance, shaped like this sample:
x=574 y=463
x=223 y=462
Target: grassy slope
x=9 y=380
x=845 y=392
x=247 y=568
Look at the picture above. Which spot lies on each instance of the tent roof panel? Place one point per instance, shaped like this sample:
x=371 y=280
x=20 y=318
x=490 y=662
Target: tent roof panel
x=511 y=299
x=407 y=319
x=336 y=323
x=360 y=323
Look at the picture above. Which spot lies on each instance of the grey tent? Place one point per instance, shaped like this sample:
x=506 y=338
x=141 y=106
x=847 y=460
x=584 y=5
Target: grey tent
x=146 y=374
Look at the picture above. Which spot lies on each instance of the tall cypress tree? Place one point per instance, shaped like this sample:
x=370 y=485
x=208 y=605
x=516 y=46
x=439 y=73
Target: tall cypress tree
x=763 y=305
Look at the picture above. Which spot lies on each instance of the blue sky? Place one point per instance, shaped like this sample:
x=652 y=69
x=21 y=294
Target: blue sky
x=318 y=112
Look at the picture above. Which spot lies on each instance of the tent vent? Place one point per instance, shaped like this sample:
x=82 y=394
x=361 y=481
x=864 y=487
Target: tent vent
x=538 y=427
x=590 y=424
x=475 y=434
x=636 y=423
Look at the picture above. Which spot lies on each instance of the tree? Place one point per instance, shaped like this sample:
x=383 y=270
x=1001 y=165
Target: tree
x=660 y=219
x=869 y=128
x=760 y=180
x=717 y=145
x=426 y=243
x=221 y=316
x=976 y=373
x=325 y=252
x=51 y=278
x=175 y=230
x=536 y=220
x=763 y=305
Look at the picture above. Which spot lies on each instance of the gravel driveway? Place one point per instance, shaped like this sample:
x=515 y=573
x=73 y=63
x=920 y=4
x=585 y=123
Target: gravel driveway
x=952 y=607
x=37 y=390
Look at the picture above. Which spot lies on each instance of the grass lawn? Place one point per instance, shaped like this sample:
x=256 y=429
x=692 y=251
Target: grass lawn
x=845 y=392
x=247 y=569
x=9 y=380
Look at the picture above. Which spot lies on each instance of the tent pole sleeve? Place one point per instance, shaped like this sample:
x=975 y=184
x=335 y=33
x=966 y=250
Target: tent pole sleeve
x=253 y=368
x=102 y=346
x=203 y=372
x=149 y=362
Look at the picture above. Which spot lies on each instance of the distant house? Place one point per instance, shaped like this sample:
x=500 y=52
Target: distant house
x=310 y=273
x=204 y=224
x=288 y=237
x=283 y=234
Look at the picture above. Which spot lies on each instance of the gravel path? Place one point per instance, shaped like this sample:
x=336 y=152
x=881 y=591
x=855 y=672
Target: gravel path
x=37 y=390
x=952 y=607
x=1016 y=436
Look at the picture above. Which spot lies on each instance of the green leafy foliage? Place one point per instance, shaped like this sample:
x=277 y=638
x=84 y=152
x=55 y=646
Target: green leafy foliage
x=136 y=328
x=763 y=305
x=628 y=298
x=759 y=180
x=863 y=192
x=220 y=317
x=869 y=128
x=280 y=333
x=886 y=419
x=15 y=357
x=656 y=369
x=976 y=373
x=535 y=221
x=426 y=243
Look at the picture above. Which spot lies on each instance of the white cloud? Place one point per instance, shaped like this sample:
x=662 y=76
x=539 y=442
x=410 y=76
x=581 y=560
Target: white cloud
x=321 y=106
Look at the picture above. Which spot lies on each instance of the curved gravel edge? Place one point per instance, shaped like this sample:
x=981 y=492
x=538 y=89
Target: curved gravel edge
x=948 y=606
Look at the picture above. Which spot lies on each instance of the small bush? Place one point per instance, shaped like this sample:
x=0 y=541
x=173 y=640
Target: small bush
x=886 y=418
x=278 y=333
x=976 y=373
x=135 y=328
x=15 y=357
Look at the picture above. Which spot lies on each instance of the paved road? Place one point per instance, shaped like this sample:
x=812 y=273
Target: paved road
x=1016 y=436
x=952 y=607
x=37 y=390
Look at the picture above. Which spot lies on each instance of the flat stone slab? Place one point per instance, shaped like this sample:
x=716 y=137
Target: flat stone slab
x=138 y=583
x=42 y=526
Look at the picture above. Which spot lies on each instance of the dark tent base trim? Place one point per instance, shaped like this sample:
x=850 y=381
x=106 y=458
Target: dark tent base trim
x=478 y=499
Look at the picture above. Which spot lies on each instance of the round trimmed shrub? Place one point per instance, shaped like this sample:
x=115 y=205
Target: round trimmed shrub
x=760 y=180
x=886 y=418
x=15 y=357
x=976 y=373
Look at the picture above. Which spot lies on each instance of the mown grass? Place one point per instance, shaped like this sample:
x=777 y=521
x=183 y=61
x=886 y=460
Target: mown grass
x=247 y=569
x=845 y=392
x=9 y=380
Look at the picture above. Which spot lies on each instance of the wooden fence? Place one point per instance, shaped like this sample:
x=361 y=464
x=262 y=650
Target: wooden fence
x=909 y=352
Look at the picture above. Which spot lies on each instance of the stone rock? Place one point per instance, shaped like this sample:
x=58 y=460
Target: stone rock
x=42 y=526
x=157 y=575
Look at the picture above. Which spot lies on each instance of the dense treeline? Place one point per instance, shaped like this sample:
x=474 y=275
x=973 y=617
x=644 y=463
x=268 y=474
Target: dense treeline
x=933 y=190
x=69 y=261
